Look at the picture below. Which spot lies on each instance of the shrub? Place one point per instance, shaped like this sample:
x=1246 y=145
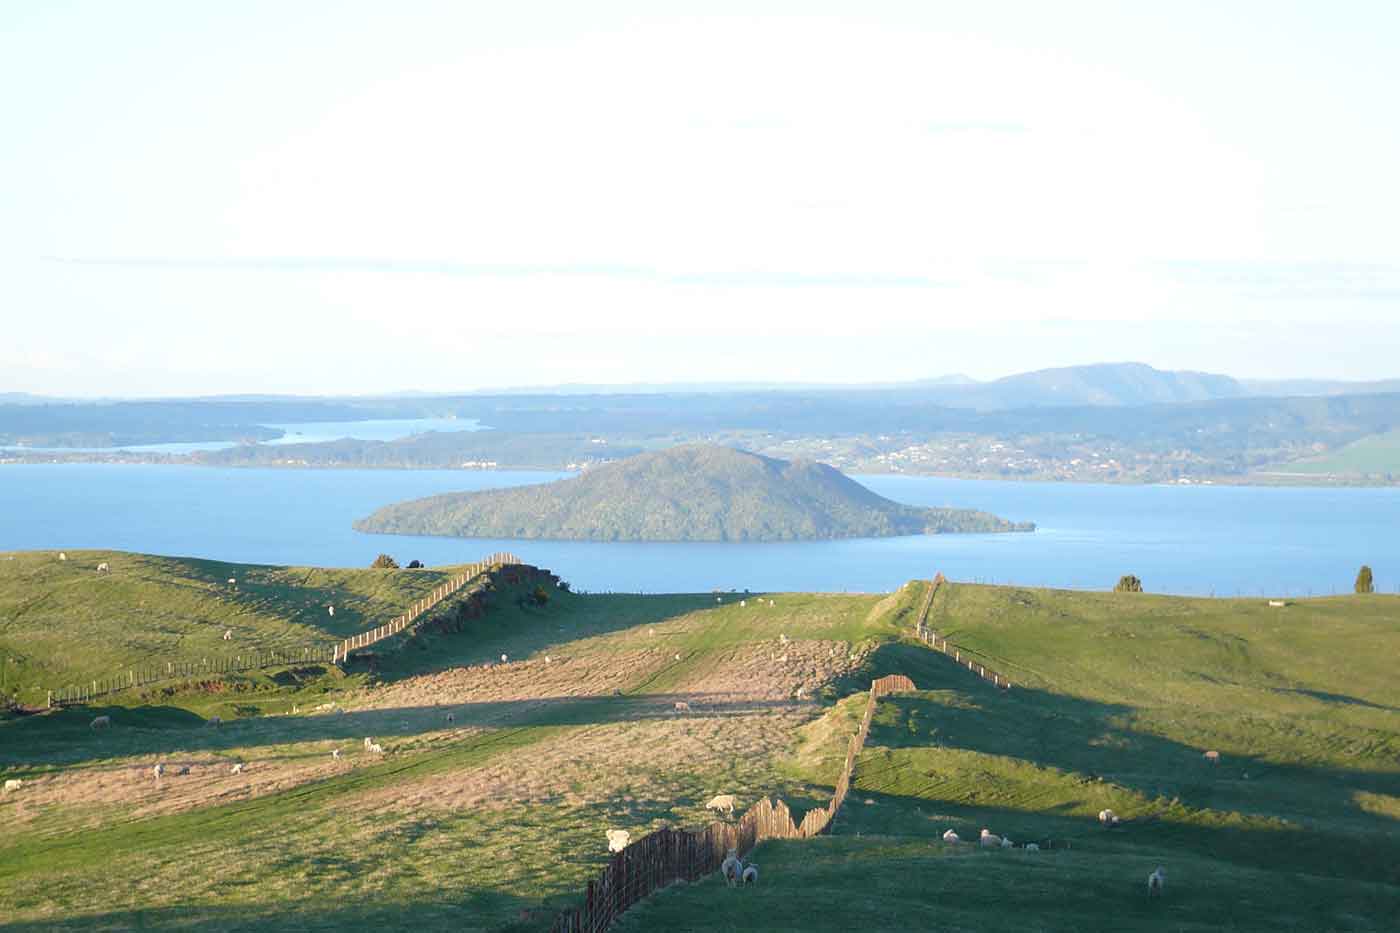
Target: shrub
x=415 y=565
x=1128 y=584
x=541 y=595
x=1364 y=581
x=385 y=562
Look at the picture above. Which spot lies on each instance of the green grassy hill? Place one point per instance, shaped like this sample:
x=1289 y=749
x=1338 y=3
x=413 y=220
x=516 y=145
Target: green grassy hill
x=62 y=622
x=495 y=820
x=686 y=493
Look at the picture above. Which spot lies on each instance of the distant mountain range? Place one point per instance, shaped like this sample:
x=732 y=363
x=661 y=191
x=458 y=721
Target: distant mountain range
x=694 y=492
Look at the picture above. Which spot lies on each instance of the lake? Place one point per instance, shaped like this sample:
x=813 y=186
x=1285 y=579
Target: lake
x=1225 y=540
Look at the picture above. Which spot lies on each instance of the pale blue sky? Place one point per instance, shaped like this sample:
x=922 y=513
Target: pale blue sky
x=340 y=197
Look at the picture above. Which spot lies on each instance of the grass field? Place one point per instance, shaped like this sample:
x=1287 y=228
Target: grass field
x=1377 y=454
x=494 y=820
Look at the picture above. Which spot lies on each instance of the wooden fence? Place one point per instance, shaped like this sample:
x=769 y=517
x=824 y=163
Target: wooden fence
x=669 y=855
x=175 y=670
x=415 y=612
x=931 y=638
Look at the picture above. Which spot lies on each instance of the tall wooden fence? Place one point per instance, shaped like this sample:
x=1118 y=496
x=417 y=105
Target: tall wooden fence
x=416 y=611
x=928 y=636
x=254 y=660
x=669 y=855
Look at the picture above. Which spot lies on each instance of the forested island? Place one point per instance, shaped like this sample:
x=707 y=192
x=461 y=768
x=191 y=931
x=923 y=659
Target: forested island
x=694 y=492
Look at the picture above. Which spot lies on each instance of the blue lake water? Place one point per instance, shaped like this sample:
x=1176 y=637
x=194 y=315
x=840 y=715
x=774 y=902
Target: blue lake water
x=1196 y=539
x=300 y=432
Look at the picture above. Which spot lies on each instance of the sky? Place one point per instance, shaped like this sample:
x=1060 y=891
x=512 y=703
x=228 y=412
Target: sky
x=329 y=198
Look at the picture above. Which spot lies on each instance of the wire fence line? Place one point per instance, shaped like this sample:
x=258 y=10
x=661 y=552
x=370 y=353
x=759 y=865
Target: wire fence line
x=133 y=677
x=931 y=638
x=668 y=855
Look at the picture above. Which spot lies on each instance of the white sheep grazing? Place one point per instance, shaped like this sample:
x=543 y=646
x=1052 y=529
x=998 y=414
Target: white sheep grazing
x=750 y=874
x=103 y=568
x=618 y=839
x=331 y=610
x=771 y=603
x=157 y=771
x=743 y=604
x=546 y=659
x=951 y=837
x=238 y=767
x=376 y=749
x=232 y=581
x=732 y=868
x=1108 y=817
x=1031 y=847
x=1157 y=882
x=1212 y=757
x=651 y=631
x=13 y=784
x=101 y=722
x=368 y=741
x=990 y=840
x=504 y=659
x=682 y=706
x=228 y=634
x=335 y=754
x=724 y=802
x=62 y=556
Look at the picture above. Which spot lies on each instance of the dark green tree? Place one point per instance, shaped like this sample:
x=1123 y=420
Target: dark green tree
x=385 y=562
x=541 y=595
x=1128 y=584
x=1364 y=582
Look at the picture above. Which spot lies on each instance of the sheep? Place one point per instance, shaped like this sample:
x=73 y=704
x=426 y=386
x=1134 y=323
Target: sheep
x=651 y=632
x=157 y=771
x=13 y=784
x=1031 y=847
x=1006 y=843
x=743 y=604
x=951 y=838
x=101 y=722
x=1157 y=882
x=678 y=655
x=368 y=741
x=62 y=556
x=335 y=754
x=722 y=802
x=103 y=568
x=1212 y=757
x=451 y=719
x=682 y=706
x=1108 y=817
x=732 y=868
x=547 y=659
x=504 y=659
x=990 y=840
x=618 y=839
x=750 y=874
x=376 y=749
x=331 y=610
x=184 y=769
x=232 y=581
x=771 y=603
x=237 y=767
x=783 y=638
x=228 y=634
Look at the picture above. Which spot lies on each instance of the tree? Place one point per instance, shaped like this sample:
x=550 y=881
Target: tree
x=541 y=595
x=385 y=562
x=1128 y=584
x=1364 y=581
x=415 y=565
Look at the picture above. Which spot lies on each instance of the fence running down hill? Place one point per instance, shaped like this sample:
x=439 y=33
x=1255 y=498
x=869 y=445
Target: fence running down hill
x=668 y=855
x=254 y=660
x=415 y=612
x=931 y=638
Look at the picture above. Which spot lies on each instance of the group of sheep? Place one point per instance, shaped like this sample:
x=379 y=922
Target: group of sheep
x=735 y=872
x=990 y=840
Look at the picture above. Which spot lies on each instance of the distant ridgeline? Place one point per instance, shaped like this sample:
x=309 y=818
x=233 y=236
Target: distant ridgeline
x=686 y=493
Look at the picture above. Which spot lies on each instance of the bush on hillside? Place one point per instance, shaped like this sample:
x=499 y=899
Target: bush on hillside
x=415 y=565
x=1128 y=584
x=541 y=595
x=1364 y=581
x=384 y=562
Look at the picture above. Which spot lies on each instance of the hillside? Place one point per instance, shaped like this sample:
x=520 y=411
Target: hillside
x=687 y=493
x=61 y=622
x=497 y=820
x=1099 y=384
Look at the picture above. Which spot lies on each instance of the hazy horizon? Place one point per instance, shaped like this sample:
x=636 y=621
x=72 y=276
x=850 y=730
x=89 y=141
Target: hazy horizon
x=341 y=199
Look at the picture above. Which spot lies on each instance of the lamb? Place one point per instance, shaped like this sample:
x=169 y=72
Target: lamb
x=1031 y=847
x=1157 y=882
x=375 y=748
x=678 y=655
x=232 y=581
x=682 y=706
x=1212 y=757
x=1108 y=817
x=951 y=838
x=331 y=610
x=732 y=868
x=990 y=840
x=743 y=604
x=101 y=722
x=451 y=719
x=335 y=754
x=228 y=634
x=13 y=784
x=62 y=556
x=157 y=771
x=750 y=874
x=368 y=741
x=504 y=659
x=238 y=767
x=618 y=839
x=103 y=568
x=724 y=802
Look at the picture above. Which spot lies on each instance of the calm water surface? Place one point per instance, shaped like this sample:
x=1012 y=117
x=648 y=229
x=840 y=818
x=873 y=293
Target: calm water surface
x=1221 y=539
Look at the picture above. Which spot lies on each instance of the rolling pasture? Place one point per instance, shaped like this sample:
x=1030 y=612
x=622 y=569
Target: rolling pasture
x=495 y=818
